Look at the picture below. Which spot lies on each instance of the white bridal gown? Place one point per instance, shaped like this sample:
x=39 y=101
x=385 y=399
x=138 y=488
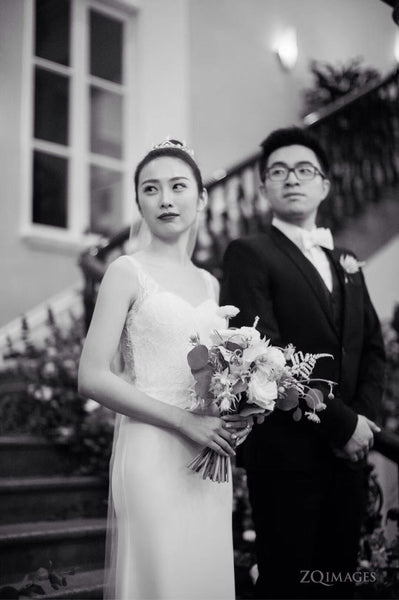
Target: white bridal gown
x=174 y=530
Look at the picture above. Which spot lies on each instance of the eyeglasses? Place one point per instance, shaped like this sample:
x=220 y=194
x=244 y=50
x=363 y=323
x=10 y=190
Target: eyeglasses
x=304 y=171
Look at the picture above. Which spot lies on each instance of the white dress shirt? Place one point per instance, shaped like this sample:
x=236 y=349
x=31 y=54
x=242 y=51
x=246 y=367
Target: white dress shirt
x=309 y=247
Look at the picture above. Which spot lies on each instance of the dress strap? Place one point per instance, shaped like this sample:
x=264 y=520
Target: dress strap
x=147 y=284
x=209 y=284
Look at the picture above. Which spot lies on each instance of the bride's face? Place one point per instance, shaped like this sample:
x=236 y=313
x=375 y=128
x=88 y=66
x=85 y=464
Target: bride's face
x=168 y=196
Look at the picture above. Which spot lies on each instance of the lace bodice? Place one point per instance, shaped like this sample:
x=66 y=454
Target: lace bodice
x=156 y=338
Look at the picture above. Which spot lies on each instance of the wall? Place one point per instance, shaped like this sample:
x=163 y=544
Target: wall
x=238 y=90
x=381 y=273
x=30 y=271
x=205 y=72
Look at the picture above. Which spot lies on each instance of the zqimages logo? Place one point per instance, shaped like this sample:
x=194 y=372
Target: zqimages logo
x=329 y=578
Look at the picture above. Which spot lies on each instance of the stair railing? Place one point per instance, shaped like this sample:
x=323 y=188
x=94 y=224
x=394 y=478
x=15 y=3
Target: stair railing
x=360 y=132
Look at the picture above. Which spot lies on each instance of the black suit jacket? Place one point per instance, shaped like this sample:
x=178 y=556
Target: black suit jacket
x=266 y=275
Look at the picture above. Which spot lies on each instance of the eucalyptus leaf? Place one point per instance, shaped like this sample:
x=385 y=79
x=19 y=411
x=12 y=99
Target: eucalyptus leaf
x=297 y=414
x=239 y=387
x=232 y=346
x=289 y=401
x=314 y=398
x=198 y=357
x=202 y=382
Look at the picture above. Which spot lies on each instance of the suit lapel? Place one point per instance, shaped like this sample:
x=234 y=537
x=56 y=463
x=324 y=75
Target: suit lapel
x=350 y=301
x=309 y=272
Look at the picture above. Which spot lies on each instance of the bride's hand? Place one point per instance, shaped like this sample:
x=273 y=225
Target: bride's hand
x=209 y=432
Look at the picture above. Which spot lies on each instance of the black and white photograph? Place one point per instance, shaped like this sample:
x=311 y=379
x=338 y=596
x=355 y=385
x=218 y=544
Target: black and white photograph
x=199 y=314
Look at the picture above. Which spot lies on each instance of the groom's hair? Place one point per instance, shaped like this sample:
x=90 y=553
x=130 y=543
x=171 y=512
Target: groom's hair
x=290 y=136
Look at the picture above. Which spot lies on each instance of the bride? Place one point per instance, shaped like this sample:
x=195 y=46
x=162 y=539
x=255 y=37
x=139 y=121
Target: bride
x=171 y=531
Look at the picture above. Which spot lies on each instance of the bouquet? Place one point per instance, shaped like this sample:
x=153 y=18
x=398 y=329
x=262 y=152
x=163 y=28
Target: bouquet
x=240 y=369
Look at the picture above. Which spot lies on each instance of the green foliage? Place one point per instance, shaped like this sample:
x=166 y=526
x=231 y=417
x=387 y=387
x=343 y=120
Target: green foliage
x=331 y=82
x=39 y=583
x=390 y=404
x=39 y=395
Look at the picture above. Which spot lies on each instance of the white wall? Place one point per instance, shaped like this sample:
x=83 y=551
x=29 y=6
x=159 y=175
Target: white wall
x=204 y=71
x=30 y=271
x=238 y=90
x=382 y=276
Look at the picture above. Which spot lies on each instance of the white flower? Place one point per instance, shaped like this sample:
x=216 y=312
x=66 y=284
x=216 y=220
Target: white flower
x=90 y=405
x=254 y=351
x=250 y=334
x=349 y=264
x=254 y=573
x=289 y=351
x=49 y=369
x=261 y=391
x=225 y=404
x=45 y=393
x=249 y=535
x=274 y=357
x=312 y=417
x=227 y=312
x=271 y=363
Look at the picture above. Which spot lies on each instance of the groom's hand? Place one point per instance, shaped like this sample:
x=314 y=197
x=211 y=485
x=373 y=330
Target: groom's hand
x=358 y=446
x=241 y=426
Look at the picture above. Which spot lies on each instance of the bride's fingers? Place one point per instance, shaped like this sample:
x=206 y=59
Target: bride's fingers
x=222 y=447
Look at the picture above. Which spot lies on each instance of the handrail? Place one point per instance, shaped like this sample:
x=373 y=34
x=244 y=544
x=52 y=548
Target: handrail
x=310 y=119
x=365 y=160
x=344 y=101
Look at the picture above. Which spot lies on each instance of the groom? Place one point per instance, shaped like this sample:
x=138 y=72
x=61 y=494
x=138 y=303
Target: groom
x=306 y=481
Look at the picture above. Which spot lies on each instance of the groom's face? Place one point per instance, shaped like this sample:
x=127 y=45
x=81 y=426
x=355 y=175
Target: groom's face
x=295 y=199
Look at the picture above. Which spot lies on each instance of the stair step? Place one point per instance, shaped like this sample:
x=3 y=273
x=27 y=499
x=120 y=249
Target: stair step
x=25 y=547
x=52 y=498
x=29 y=456
x=80 y=585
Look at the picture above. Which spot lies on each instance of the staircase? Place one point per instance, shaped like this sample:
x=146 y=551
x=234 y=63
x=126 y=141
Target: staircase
x=361 y=134
x=48 y=515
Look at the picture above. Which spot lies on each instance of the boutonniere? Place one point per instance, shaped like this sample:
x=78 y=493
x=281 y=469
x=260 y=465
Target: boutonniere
x=350 y=265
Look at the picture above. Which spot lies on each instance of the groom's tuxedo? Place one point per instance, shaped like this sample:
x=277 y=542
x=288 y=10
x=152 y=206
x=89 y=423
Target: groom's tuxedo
x=306 y=501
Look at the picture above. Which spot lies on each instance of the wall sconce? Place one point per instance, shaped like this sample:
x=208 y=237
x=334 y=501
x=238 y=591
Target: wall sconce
x=286 y=48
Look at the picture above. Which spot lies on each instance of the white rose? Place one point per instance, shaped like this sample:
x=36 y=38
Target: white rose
x=349 y=264
x=250 y=334
x=275 y=356
x=261 y=391
x=271 y=363
x=227 y=312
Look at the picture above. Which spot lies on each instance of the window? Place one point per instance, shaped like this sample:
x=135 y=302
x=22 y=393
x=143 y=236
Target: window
x=80 y=143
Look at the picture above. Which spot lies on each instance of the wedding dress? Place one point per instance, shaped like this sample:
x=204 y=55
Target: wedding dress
x=174 y=529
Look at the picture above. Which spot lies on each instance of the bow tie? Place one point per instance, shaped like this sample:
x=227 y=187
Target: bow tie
x=317 y=237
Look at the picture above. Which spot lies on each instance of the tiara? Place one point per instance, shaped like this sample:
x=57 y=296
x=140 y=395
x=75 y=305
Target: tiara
x=172 y=143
